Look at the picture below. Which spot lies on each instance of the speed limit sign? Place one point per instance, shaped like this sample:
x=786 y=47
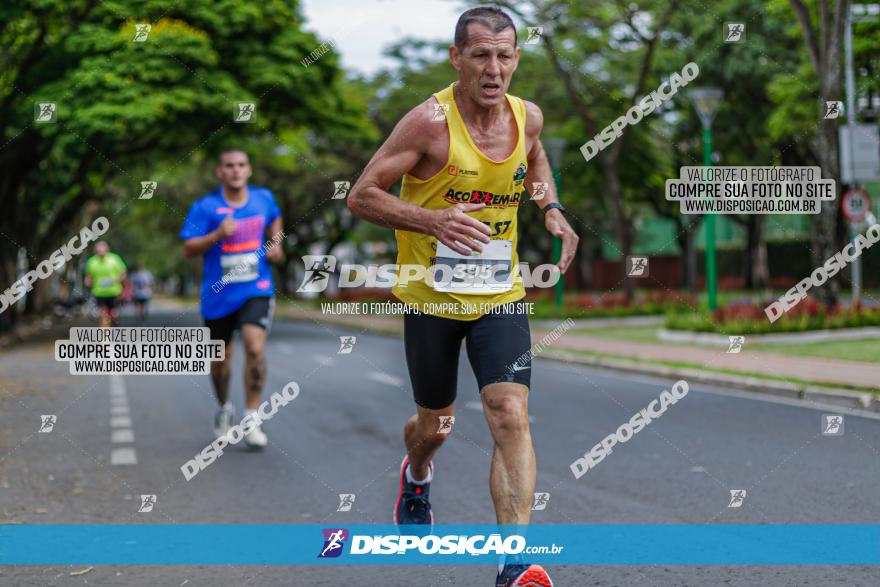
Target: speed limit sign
x=855 y=205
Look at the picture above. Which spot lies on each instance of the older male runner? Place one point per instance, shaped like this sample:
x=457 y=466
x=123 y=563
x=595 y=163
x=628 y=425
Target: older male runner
x=466 y=156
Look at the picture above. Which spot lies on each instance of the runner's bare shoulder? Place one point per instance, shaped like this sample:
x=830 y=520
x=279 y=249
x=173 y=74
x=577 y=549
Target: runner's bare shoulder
x=423 y=126
x=534 y=125
x=534 y=119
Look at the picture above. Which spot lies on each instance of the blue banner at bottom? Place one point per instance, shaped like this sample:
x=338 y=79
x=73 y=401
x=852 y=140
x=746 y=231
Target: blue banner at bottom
x=614 y=544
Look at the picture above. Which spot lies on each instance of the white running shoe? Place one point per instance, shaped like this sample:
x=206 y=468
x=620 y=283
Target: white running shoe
x=223 y=421
x=256 y=438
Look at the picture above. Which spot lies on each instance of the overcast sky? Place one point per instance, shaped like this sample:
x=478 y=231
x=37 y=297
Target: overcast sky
x=362 y=28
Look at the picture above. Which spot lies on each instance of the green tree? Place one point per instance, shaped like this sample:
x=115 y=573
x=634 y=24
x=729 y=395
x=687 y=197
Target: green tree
x=126 y=107
x=822 y=24
x=585 y=43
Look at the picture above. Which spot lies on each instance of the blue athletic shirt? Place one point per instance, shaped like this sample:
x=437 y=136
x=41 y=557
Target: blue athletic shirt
x=235 y=268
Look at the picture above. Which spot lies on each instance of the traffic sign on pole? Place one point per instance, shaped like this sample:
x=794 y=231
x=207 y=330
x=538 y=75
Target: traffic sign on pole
x=855 y=205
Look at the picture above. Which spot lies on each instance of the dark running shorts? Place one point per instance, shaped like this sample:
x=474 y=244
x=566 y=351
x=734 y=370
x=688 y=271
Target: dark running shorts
x=256 y=311
x=497 y=346
x=108 y=302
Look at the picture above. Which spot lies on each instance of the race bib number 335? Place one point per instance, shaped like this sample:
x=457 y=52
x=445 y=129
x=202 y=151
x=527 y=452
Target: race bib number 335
x=478 y=273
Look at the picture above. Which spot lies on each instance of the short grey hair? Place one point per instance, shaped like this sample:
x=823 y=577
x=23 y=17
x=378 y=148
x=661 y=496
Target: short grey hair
x=490 y=17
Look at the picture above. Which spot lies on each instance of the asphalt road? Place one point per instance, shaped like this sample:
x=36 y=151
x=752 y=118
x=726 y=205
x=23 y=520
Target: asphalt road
x=343 y=434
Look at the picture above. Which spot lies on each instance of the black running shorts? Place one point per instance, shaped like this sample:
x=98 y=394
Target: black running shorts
x=256 y=311
x=108 y=302
x=497 y=346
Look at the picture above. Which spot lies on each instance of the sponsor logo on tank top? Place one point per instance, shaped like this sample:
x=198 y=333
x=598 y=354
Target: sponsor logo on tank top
x=483 y=197
x=458 y=171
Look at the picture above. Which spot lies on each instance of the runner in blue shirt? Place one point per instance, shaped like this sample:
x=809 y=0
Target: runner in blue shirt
x=237 y=230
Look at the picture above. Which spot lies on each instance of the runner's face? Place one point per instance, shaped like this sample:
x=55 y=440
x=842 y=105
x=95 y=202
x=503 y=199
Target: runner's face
x=101 y=249
x=234 y=170
x=487 y=64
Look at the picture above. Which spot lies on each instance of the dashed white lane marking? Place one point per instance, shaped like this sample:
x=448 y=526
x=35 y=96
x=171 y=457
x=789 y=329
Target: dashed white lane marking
x=123 y=456
x=478 y=407
x=120 y=421
x=324 y=360
x=121 y=435
x=385 y=378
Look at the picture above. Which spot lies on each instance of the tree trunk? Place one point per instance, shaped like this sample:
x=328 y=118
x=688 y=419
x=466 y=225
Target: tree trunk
x=760 y=267
x=39 y=299
x=748 y=257
x=825 y=50
x=284 y=275
x=690 y=254
x=824 y=224
x=622 y=224
x=8 y=274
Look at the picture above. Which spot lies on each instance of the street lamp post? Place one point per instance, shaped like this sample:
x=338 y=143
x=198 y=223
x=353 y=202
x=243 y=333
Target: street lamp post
x=706 y=102
x=554 y=149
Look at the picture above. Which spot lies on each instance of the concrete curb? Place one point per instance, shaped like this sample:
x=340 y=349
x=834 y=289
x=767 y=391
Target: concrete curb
x=809 y=393
x=688 y=336
x=585 y=323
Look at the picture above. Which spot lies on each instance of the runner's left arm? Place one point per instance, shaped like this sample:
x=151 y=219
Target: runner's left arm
x=539 y=172
x=275 y=252
x=123 y=275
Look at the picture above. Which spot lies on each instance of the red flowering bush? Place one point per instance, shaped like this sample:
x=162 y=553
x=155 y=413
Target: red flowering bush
x=745 y=318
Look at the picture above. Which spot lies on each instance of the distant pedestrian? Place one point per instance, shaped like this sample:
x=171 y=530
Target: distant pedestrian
x=142 y=285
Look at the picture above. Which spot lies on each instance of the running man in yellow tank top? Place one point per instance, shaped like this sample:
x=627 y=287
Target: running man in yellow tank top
x=467 y=157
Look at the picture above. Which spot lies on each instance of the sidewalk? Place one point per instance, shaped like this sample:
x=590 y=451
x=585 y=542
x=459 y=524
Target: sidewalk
x=828 y=371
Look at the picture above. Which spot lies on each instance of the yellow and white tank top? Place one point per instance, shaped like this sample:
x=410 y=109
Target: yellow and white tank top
x=469 y=176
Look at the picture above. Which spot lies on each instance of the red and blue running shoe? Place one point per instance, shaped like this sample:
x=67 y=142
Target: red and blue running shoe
x=522 y=575
x=413 y=507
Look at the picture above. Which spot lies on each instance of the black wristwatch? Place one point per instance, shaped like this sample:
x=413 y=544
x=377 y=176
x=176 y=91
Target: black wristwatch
x=554 y=206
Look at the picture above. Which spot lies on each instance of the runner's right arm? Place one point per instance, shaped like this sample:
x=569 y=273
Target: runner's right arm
x=198 y=246
x=370 y=199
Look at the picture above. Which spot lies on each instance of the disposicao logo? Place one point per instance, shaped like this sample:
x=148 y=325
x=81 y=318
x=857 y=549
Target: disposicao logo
x=334 y=541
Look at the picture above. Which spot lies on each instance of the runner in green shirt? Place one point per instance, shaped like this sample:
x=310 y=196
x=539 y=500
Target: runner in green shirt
x=105 y=273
